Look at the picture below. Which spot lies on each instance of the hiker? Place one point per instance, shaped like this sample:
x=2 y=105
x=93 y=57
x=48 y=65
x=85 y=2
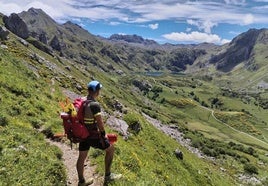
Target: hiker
x=97 y=139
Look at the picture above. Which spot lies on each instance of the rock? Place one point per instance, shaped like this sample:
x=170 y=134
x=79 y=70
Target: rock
x=118 y=125
x=16 y=25
x=43 y=38
x=3 y=33
x=110 y=66
x=78 y=87
x=3 y=46
x=55 y=43
x=68 y=68
x=118 y=106
x=178 y=154
x=119 y=72
x=142 y=85
x=25 y=43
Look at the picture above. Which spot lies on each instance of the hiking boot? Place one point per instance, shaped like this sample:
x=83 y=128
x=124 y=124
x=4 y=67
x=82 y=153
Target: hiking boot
x=85 y=183
x=112 y=177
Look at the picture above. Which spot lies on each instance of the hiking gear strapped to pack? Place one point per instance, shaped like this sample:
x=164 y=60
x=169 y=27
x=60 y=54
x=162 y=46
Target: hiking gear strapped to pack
x=73 y=119
x=112 y=138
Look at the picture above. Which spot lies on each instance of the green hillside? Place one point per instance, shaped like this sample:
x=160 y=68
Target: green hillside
x=227 y=126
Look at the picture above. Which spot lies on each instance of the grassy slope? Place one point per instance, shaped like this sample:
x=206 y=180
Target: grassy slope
x=147 y=158
x=32 y=104
x=26 y=102
x=29 y=100
x=185 y=112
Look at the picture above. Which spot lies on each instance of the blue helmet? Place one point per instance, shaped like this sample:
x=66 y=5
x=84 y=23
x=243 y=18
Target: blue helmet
x=94 y=85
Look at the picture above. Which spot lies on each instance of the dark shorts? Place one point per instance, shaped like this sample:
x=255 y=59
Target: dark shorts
x=95 y=143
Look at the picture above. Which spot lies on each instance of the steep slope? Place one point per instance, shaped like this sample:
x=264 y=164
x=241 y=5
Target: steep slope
x=241 y=50
x=35 y=80
x=228 y=127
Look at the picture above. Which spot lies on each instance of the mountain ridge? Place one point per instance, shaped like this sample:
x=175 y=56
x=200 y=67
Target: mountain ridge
x=123 y=54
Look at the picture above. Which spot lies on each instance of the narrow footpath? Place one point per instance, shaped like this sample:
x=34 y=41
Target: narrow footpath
x=69 y=159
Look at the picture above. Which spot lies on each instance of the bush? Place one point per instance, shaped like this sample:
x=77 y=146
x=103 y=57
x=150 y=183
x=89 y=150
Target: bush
x=251 y=169
x=36 y=123
x=133 y=121
x=3 y=120
x=1 y=149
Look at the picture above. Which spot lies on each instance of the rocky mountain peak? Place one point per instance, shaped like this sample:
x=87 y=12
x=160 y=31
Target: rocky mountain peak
x=250 y=37
x=35 y=11
x=240 y=50
x=37 y=20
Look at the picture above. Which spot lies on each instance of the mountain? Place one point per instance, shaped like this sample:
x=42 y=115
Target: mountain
x=121 y=54
x=158 y=99
x=241 y=50
x=125 y=52
x=132 y=39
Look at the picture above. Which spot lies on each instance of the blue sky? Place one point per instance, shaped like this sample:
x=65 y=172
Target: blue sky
x=165 y=21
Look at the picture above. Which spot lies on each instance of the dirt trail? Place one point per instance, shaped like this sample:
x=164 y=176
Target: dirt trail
x=69 y=159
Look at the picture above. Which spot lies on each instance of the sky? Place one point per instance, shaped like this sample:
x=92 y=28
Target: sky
x=165 y=21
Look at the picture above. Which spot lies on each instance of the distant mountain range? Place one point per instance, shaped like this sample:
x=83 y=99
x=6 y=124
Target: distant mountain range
x=132 y=52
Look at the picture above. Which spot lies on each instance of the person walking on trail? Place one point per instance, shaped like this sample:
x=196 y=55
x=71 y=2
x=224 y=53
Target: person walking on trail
x=97 y=139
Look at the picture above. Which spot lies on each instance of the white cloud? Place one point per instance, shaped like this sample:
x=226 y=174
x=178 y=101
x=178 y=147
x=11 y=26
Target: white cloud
x=224 y=41
x=248 y=19
x=9 y=8
x=194 y=37
x=114 y=23
x=188 y=29
x=153 y=26
x=207 y=14
x=205 y=26
x=235 y=2
x=203 y=14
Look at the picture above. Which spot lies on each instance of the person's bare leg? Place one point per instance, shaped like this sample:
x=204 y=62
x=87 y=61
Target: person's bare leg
x=109 y=159
x=80 y=164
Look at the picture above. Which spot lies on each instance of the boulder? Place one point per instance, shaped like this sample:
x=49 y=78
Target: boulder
x=43 y=38
x=55 y=43
x=118 y=125
x=178 y=154
x=16 y=25
x=3 y=33
x=118 y=106
x=25 y=43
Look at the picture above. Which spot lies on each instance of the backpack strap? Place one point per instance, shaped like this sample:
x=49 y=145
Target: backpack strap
x=81 y=111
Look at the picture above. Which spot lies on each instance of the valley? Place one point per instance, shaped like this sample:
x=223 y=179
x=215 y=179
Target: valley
x=210 y=102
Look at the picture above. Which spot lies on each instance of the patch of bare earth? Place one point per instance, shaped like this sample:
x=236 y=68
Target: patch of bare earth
x=69 y=159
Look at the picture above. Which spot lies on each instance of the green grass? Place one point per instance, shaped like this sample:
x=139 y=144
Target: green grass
x=26 y=159
x=148 y=159
x=26 y=105
x=29 y=103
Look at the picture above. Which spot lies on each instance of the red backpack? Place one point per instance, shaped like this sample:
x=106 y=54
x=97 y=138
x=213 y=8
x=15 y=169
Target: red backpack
x=73 y=120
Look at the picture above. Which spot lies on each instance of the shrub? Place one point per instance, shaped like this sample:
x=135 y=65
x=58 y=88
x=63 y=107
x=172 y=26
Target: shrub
x=197 y=143
x=251 y=169
x=1 y=149
x=36 y=123
x=48 y=132
x=209 y=152
x=133 y=121
x=3 y=120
